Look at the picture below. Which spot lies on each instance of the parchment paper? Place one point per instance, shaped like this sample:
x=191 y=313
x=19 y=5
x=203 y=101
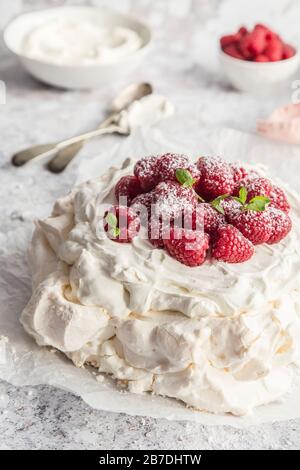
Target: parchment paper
x=22 y=362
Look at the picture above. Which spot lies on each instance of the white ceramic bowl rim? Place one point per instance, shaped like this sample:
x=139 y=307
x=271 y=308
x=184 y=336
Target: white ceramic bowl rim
x=136 y=25
x=249 y=63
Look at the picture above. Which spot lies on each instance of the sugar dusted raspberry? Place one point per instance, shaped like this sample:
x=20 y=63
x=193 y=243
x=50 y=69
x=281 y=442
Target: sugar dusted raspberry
x=187 y=246
x=170 y=162
x=216 y=178
x=121 y=224
x=158 y=231
x=279 y=199
x=171 y=199
x=281 y=225
x=239 y=172
x=128 y=187
x=231 y=208
x=254 y=225
x=212 y=218
x=231 y=246
x=146 y=170
x=258 y=186
x=141 y=205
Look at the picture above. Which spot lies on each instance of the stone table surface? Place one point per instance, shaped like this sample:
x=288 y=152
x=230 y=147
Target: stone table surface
x=182 y=65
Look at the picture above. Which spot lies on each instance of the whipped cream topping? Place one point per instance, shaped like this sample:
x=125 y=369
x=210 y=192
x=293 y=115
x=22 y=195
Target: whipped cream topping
x=219 y=337
x=76 y=42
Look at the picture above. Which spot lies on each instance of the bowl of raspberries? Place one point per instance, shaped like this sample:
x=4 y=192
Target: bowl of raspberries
x=257 y=60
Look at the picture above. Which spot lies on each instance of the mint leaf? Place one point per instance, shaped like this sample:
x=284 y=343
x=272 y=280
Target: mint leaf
x=115 y=232
x=216 y=203
x=111 y=220
x=185 y=178
x=243 y=193
x=258 y=204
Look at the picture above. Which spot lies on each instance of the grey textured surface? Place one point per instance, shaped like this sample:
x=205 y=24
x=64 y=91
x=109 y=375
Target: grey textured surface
x=44 y=417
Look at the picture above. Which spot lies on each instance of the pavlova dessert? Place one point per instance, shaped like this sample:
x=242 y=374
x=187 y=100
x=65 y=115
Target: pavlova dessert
x=176 y=277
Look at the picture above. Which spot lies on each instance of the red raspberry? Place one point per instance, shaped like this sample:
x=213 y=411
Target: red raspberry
x=244 y=47
x=141 y=205
x=231 y=208
x=212 y=218
x=233 y=51
x=187 y=246
x=281 y=225
x=146 y=170
x=216 y=178
x=279 y=200
x=258 y=186
x=129 y=187
x=274 y=49
x=158 y=232
x=239 y=172
x=261 y=58
x=254 y=225
x=170 y=162
x=256 y=41
x=171 y=200
x=242 y=31
x=127 y=224
x=231 y=246
x=288 y=51
x=228 y=40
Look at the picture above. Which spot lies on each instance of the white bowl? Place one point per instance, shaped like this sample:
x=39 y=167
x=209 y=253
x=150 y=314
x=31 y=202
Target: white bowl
x=76 y=76
x=259 y=77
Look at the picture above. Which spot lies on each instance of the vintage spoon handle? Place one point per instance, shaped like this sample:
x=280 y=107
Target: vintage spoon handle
x=67 y=150
x=24 y=156
x=64 y=157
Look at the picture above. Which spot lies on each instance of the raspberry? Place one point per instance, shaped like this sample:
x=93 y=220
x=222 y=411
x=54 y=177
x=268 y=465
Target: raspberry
x=216 y=178
x=279 y=200
x=129 y=187
x=233 y=51
x=256 y=41
x=170 y=162
x=146 y=170
x=244 y=45
x=261 y=58
x=141 y=205
x=158 y=232
x=288 y=51
x=212 y=218
x=188 y=247
x=242 y=31
x=281 y=225
x=258 y=186
x=171 y=200
x=254 y=225
x=274 y=49
x=123 y=225
x=231 y=246
x=228 y=40
x=239 y=173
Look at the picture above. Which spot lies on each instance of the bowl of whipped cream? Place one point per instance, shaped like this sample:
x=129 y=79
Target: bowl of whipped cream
x=78 y=47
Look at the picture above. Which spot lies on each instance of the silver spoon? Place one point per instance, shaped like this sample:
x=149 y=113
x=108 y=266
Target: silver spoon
x=66 y=150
